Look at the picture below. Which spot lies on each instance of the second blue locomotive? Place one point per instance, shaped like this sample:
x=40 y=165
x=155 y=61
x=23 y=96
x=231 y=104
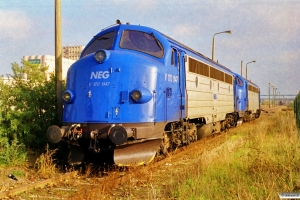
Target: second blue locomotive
x=136 y=92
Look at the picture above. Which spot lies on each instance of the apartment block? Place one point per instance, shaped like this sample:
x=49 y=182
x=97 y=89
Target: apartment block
x=72 y=52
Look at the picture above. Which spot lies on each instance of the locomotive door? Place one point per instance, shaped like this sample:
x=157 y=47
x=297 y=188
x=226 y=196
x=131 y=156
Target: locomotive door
x=215 y=88
x=172 y=87
x=181 y=84
x=246 y=96
x=241 y=95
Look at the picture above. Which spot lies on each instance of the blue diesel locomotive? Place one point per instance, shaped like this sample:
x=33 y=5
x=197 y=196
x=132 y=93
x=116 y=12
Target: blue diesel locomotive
x=136 y=92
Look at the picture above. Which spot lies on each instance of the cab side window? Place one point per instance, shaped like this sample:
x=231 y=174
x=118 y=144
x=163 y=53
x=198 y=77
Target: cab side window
x=239 y=81
x=178 y=59
x=173 y=58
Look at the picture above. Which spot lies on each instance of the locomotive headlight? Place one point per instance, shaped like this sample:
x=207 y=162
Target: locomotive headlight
x=101 y=55
x=141 y=95
x=136 y=95
x=68 y=96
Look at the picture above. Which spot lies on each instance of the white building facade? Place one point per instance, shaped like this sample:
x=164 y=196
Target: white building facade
x=48 y=60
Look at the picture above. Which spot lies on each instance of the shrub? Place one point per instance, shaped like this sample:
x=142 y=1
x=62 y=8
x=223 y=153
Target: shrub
x=13 y=154
x=27 y=106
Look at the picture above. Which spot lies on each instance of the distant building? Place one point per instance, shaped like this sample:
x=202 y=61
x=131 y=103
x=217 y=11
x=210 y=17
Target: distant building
x=6 y=80
x=47 y=60
x=72 y=52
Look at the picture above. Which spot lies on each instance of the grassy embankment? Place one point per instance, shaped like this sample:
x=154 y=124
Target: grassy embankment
x=258 y=161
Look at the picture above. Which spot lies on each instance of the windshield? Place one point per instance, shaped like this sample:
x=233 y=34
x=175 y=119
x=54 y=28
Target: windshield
x=104 y=41
x=141 y=41
x=239 y=81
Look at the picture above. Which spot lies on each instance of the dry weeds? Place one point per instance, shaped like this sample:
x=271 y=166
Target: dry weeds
x=254 y=161
x=45 y=164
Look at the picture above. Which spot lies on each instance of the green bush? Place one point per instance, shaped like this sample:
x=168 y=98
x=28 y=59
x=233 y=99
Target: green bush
x=13 y=154
x=27 y=106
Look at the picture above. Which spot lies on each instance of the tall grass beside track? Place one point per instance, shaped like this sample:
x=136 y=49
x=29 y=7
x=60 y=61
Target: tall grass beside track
x=258 y=161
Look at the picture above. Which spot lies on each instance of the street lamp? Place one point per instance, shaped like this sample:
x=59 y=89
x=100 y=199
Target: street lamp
x=247 y=68
x=241 y=68
x=213 y=42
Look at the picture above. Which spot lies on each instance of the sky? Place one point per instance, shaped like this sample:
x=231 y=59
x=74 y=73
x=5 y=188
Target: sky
x=267 y=31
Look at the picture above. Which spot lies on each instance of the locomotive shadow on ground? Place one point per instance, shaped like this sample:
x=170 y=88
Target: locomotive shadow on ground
x=99 y=162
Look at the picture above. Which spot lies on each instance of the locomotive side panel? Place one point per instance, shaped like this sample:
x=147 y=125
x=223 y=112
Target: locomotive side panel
x=225 y=102
x=199 y=93
x=253 y=98
x=209 y=90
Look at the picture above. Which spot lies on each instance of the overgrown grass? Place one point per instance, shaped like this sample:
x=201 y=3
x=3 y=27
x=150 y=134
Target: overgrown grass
x=291 y=105
x=254 y=161
x=13 y=154
x=45 y=165
x=266 y=162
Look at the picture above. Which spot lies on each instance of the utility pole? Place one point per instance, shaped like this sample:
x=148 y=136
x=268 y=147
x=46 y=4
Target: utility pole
x=58 y=57
x=241 y=68
x=275 y=98
x=273 y=101
x=269 y=95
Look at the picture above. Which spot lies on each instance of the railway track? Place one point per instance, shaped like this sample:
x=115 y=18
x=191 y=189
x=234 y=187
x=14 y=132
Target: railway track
x=62 y=186
x=26 y=187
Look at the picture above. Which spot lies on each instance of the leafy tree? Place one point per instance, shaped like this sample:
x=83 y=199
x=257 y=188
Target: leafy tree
x=27 y=106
